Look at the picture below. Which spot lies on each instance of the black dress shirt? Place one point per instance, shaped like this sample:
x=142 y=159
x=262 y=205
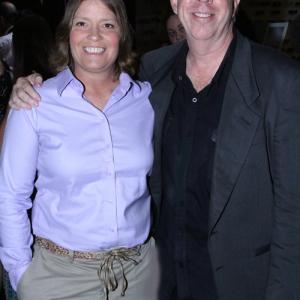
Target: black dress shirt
x=190 y=133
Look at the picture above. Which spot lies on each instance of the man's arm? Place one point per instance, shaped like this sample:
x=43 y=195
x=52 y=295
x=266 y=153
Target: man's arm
x=23 y=94
x=285 y=166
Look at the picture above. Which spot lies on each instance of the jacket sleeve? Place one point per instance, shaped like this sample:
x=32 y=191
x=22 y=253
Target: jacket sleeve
x=143 y=75
x=285 y=167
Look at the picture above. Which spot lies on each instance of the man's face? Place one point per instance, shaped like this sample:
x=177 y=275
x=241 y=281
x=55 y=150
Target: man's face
x=205 y=19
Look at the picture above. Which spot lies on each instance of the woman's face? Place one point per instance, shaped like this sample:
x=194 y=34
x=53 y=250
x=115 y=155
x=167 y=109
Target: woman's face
x=94 y=39
x=175 y=29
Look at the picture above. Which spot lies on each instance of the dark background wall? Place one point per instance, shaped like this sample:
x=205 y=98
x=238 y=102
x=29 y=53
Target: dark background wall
x=265 y=21
x=147 y=18
x=52 y=10
x=270 y=18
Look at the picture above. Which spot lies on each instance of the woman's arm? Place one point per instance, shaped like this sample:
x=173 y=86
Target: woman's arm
x=18 y=160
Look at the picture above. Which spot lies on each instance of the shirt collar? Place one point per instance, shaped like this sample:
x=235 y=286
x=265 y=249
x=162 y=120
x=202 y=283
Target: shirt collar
x=180 y=65
x=66 y=77
x=126 y=82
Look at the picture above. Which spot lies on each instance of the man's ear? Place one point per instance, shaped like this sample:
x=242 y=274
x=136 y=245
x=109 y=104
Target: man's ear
x=235 y=6
x=174 y=6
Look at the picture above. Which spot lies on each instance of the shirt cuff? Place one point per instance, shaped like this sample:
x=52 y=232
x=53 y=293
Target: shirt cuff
x=16 y=274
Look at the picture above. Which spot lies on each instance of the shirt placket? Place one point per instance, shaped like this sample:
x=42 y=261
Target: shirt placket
x=110 y=180
x=189 y=109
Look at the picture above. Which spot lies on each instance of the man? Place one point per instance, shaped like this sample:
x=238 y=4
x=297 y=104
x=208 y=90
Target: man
x=227 y=143
x=175 y=29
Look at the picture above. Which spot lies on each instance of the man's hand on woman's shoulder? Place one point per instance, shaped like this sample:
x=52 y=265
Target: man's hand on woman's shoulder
x=23 y=94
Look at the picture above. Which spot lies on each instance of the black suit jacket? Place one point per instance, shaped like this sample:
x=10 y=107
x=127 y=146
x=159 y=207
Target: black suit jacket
x=254 y=222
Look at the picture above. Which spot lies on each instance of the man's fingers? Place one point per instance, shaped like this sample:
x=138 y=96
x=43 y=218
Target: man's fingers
x=23 y=95
x=19 y=104
x=35 y=79
x=20 y=98
x=30 y=95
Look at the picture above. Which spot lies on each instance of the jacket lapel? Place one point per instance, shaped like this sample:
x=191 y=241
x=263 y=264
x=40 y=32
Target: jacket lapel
x=163 y=92
x=237 y=128
x=160 y=99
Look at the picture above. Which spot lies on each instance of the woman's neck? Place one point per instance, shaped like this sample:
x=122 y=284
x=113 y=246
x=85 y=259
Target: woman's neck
x=98 y=87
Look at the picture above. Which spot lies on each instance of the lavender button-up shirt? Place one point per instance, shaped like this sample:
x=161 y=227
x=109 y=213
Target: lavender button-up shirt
x=92 y=171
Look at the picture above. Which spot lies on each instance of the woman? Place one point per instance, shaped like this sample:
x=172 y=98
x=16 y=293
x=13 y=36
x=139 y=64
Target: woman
x=91 y=144
x=175 y=30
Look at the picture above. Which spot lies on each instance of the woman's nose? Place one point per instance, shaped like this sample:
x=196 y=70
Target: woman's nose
x=94 y=33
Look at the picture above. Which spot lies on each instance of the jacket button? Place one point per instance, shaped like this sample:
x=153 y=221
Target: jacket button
x=218 y=268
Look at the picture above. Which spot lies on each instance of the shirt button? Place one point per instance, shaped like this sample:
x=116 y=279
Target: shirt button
x=195 y=100
x=179 y=77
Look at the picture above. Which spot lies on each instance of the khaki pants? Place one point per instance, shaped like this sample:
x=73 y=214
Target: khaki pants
x=54 y=277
